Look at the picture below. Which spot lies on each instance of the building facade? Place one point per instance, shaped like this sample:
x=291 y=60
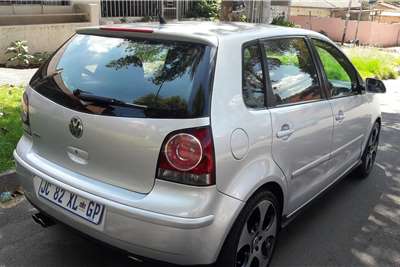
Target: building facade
x=325 y=8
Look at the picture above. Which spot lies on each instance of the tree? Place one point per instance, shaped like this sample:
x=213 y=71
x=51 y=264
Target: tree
x=205 y=9
x=229 y=10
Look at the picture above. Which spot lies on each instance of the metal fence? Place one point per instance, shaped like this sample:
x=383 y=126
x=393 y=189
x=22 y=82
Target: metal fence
x=143 y=8
x=36 y=2
x=172 y=9
x=255 y=11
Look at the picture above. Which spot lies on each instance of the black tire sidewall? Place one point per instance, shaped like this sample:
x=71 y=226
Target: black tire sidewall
x=362 y=169
x=227 y=256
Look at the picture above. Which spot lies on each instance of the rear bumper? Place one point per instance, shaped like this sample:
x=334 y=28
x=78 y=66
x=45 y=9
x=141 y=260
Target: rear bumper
x=173 y=223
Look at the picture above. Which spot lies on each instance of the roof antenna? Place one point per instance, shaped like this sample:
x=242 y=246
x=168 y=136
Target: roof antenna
x=161 y=19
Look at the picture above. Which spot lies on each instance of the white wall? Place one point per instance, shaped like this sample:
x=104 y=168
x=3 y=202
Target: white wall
x=47 y=37
x=91 y=7
x=92 y=11
x=40 y=37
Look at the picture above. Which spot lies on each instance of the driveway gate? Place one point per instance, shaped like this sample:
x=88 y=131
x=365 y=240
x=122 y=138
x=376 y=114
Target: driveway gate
x=171 y=9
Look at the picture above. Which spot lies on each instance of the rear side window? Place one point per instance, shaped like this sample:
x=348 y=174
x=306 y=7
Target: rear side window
x=253 y=79
x=171 y=78
x=292 y=72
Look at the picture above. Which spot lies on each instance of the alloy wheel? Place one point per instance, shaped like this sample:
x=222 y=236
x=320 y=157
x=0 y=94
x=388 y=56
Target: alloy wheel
x=258 y=236
x=372 y=149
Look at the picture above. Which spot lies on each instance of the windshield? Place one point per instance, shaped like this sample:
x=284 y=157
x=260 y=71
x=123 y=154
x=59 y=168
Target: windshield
x=171 y=78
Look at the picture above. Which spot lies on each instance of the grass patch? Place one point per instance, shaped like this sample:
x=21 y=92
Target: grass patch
x=374 y=62
x=10 y=124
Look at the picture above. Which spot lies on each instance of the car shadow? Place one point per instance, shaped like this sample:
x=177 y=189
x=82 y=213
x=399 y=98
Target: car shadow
x=357 y=222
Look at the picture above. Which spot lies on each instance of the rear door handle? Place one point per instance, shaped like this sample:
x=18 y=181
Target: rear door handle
x=340 y=116
x=285 y=132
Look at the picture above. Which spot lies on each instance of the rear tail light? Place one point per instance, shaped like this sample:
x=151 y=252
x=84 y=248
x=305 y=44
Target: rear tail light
x=25 y=112
x=183 y=151
x=187 y=157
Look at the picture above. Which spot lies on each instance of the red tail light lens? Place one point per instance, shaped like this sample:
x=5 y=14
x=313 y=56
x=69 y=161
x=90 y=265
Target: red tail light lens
x=187 y=157
x=183 y=151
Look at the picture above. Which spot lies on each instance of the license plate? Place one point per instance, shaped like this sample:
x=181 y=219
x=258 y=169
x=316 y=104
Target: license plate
x=84 y=208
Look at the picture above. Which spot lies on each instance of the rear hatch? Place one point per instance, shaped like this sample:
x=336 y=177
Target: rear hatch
x=102 y=105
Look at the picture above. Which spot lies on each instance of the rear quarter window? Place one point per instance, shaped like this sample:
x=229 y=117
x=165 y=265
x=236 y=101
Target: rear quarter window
x=171 y=78
x=253 y=78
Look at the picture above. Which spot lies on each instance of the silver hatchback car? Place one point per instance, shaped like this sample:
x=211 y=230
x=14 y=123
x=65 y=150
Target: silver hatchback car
x=192 y=143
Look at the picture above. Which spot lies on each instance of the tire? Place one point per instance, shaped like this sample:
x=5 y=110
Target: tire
x=369 y=154
x=252 y=239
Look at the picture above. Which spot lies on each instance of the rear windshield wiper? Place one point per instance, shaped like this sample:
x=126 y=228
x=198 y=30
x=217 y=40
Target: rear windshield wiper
x=86 y=96
x=56 y=72
x=48 y=76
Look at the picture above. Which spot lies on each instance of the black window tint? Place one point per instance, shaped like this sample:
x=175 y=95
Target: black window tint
x=292 y=72
x=253 y=79
x=340 y=75
x=171 y=78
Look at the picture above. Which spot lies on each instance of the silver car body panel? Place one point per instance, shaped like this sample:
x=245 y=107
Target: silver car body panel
x=349 y=130
x=161 y=225
x=129 y=162
x=179 y=223
x=304 y=155
x=240 y=178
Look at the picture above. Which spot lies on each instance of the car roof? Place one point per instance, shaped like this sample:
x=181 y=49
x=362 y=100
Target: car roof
x=210 y=32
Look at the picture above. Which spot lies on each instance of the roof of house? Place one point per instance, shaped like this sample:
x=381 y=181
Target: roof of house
x=327 y=4
x=390 y=14
x=393 y=6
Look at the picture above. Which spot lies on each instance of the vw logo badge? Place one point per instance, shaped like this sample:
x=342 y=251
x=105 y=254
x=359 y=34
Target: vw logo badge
x=76 y=127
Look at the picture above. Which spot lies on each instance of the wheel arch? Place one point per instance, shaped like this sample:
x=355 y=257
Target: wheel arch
x=272 y=186
x=377 y=119
x=276 y=189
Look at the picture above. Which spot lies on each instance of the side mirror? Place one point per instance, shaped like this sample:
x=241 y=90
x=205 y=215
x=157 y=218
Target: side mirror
x=375 y=86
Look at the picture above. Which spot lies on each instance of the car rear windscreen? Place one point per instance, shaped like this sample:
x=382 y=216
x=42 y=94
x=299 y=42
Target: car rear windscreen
x=171 y=79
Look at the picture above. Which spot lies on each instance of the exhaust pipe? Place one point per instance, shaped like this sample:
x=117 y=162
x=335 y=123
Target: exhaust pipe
x=43 y=220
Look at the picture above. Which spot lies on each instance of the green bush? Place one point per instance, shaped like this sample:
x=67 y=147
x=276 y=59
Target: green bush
x=147 y=19
x=282 y=21
x=243 y=18
x=205 y=9
x=373 y=62
x=18 y=54
x=39 y=58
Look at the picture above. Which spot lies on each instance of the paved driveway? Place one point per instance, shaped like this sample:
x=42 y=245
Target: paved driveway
x=357 y=223
x=15 y=76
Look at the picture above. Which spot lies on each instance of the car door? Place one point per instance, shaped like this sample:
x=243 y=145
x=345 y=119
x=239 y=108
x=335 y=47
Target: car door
x=349 y=105
x=302 y=118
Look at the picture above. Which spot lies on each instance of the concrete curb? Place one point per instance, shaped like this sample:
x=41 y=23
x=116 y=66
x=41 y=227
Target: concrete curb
x=8 y=181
